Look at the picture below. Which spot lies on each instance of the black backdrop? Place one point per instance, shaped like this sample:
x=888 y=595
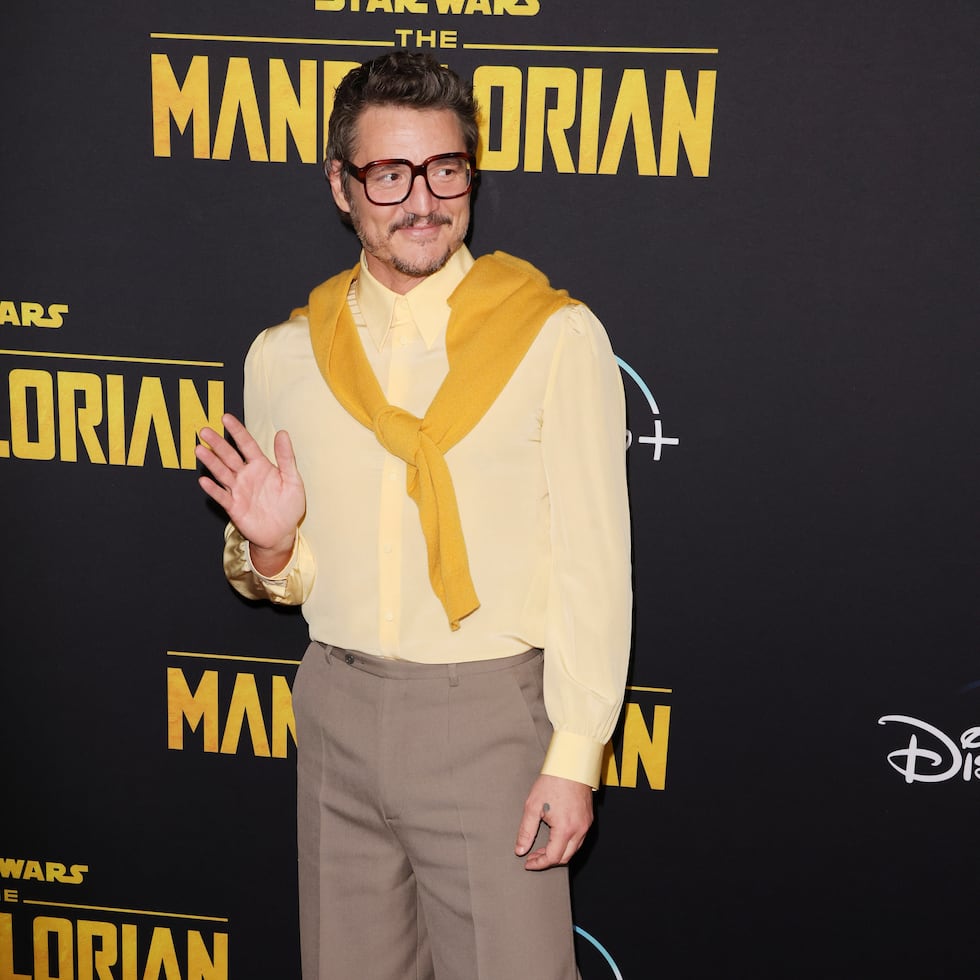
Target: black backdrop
x=796 y=790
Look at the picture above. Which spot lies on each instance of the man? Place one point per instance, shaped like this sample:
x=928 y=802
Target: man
x=459 y=428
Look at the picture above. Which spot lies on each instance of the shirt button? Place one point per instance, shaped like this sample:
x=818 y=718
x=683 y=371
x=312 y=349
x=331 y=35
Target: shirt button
x=403 y=341
x=387 y=549
x=389 y=617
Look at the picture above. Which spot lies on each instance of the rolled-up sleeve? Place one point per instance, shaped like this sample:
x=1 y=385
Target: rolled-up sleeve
x=589 y=611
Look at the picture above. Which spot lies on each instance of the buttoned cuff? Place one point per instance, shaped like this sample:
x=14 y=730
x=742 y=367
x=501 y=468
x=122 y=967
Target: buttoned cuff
x=573 y=756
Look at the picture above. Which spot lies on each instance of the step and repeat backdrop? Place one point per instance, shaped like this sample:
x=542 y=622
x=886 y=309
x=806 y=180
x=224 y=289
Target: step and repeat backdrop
x=772 y=210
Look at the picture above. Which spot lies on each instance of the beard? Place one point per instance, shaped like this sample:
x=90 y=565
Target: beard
x=379 y=248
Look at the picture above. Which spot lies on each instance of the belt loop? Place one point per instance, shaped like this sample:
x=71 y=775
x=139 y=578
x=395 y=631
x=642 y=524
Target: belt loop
x=453 y=676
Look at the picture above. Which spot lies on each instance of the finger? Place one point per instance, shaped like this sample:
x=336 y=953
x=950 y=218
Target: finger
x=285 y=457
x=552 y=855
x=526 y=832
x=220 y=448
x=541 y=860
x=217 y=493
x=222 y=473
x=555 y=848
x=208 y=437
x=537 y=861
x=247 y=446
x=571 y=849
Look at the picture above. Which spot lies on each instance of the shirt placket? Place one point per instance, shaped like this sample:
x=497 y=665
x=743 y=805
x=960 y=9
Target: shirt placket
x=402 y=336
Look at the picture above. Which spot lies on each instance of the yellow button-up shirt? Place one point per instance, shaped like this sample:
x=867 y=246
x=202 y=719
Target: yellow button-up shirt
x=541 y=487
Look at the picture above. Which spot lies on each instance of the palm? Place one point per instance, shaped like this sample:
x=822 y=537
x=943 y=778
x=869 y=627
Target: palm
x=264 y=500
x=265 y=505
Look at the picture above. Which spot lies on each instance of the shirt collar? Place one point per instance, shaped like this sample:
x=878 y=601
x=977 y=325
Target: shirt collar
x=428 y=301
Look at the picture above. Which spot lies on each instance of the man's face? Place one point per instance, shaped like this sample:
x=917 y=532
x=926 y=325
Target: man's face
x=404 y=242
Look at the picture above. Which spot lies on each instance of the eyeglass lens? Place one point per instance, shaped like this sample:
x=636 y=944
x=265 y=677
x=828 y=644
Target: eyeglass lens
x=391 y=183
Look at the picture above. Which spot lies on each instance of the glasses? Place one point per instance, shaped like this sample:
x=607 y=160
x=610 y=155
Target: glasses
x=447 y=175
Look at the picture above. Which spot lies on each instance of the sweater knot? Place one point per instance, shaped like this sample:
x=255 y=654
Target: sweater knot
x=399 y=432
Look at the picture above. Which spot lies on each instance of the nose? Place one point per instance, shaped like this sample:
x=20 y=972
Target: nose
x=420 y=199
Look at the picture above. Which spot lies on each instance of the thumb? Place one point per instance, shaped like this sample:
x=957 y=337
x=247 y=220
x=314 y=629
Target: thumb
x=285 y=457
x=527 y=832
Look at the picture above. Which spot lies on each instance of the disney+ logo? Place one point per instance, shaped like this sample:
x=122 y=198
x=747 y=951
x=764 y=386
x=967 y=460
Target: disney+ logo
x=933 y=756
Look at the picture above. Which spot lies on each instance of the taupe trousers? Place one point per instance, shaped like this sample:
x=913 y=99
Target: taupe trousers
x=412 y=781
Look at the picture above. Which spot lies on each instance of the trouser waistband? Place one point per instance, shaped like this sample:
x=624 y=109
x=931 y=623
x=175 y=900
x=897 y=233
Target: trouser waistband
x=410 y=670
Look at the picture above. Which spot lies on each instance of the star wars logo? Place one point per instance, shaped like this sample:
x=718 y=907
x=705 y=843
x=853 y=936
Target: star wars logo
x=494 y=8
x=22 y=869
x=25 y=314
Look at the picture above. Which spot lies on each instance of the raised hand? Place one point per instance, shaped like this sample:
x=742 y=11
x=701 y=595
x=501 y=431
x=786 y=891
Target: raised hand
x=264 y=500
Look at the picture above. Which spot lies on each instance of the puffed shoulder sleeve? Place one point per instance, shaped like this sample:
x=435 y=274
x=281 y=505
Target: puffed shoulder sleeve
x=291 y=586
x=589 y=612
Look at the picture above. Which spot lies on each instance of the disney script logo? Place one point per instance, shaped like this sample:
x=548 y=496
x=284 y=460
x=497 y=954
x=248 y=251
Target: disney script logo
x=943 y=758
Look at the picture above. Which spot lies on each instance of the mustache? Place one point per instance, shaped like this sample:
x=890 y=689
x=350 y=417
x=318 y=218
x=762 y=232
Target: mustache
x=411 y=220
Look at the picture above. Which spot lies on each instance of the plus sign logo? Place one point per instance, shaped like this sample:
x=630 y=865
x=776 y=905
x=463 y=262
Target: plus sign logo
x=649 y=404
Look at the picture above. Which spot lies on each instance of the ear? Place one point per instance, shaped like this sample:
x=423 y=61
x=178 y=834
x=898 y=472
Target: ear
x=337 y=186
